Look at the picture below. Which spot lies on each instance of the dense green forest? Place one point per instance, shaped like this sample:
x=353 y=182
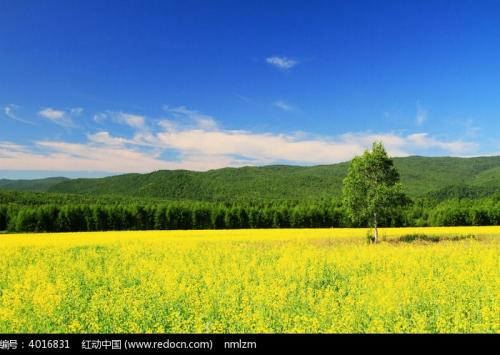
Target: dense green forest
x=443 y=191
x=47 y=212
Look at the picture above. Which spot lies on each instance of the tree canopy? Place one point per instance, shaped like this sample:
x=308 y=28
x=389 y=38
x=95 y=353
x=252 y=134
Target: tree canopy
x=372 y=192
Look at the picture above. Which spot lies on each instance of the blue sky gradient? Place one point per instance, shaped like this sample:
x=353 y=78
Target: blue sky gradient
x=98 y=87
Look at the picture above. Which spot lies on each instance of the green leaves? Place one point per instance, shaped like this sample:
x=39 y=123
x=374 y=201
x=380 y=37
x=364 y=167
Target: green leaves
x=371 y=190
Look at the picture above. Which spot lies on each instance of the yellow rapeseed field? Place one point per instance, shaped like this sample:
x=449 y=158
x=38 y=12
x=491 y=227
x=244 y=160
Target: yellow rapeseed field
x=272 y=281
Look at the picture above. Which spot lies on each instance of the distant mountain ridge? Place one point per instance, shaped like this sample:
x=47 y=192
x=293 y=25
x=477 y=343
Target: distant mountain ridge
x=38 y=185
x=441 y=176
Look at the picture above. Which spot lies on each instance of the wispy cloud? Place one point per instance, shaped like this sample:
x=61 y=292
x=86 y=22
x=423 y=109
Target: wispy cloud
x=471 y=129
x=105 y=138
x=61 y=117
x=421 y=115
x=285 y=106
x=52 y=114
x=64 y=156
x=200 y=144
x=100 y=117
x=76 y=111
x=134 y=121
x=282 y=63
x=245 y=99
x=11 y=112
x=199 y=119
x=10 y=147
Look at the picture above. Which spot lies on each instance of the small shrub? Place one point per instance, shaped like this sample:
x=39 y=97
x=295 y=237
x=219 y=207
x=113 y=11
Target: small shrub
x=460 y=237
x=410 y=238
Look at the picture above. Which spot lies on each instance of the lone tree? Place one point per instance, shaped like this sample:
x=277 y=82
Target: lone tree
x=372 y=192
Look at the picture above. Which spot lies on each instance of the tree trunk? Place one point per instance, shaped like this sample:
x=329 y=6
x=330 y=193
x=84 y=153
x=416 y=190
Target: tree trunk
x=375 y=237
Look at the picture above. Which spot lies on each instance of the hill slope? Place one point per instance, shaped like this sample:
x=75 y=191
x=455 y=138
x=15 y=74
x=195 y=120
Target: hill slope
x=420 y=175
x=38 y=185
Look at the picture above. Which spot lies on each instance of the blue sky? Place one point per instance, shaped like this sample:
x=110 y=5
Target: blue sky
x=89 y=88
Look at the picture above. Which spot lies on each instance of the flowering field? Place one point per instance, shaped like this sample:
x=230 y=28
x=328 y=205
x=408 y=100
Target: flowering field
x=304 y=280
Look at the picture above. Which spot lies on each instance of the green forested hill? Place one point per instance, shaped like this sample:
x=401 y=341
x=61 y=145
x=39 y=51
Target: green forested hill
x=248 y=183
x=420 y=176
x=488 y=178
x=39 y=185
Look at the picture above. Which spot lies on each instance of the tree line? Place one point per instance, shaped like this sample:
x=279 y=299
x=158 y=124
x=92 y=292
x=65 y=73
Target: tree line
x=199 y=215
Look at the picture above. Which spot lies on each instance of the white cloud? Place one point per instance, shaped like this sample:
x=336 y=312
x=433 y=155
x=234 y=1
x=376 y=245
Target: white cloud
x=203 y=150
x=106 y=139
x=257 y=148
x=71 y=157
x=282 y=63
x=11 y=112
x=7 y=148
x=51 y=114
x=134 y=121
x=422 y=140
x=167 y=125
x=60 y=117
x=199 y=119
x=200 y=144
x=285 y=106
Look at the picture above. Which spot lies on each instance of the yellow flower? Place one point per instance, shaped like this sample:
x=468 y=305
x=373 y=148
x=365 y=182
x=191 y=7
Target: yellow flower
x=302 y=280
